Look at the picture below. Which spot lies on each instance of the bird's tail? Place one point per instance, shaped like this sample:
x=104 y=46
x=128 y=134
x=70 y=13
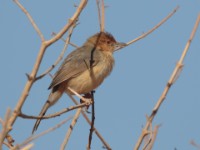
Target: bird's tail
x=53 y=98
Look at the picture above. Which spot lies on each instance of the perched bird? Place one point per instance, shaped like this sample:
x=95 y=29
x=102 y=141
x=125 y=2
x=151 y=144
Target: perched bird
x=83 y=70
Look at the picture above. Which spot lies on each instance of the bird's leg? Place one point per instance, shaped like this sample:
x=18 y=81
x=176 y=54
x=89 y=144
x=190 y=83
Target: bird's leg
x=87 y=99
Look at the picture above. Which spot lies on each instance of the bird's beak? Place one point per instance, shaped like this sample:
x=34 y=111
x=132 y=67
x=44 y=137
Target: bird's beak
x=119 y=45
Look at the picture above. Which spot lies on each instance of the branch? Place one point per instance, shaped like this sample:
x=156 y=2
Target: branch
x=70 y=43
x=76 y=116
x=171 y=81
x=92 y=123
x=60 y=56
x=71 y=21
x=35 y=69
x=150 y=31
x=31 y=20
x=152 y=138
x=101 y=14
x=106 y=145
x=55 y=114
x=5 y=127
x=33 y=137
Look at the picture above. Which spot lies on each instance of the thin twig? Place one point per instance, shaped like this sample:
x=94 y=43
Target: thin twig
x=171 y=81
x=106 y=145
x=153 y=138
x=70 y=43
x=10 y=139
x=5 y=127
x=102 y=16
x=88 y=101
x=1 y=121
x=54 y=114
x=35 y=69
x=28 y=147
x=7 y=144
x=193 y=143
x=150 y=31
x=33 y=137
x=31 y=20
x=70 y=22
x=76 y=116
x=61 y=54
x=99 y=12
x=92 y=123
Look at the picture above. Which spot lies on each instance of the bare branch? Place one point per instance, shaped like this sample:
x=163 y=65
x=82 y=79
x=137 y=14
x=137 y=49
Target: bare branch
x=71 y=21
x=33 y=137
x=106 y=145
x=171 y=81
x=70 y=43
x=101 y=14
x=7 y=144
x=76 y=116
x=150 y=31
x=88 y=101
x=92 y=123
x=5 y=127
x=31 y=20
x=55 y=114
x=60 y=56
x=42 y=50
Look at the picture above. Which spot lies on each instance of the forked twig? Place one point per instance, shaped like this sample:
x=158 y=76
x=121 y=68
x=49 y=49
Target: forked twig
x=60 y=56
x=44 y=45
x=31 y=20
x=106 y=145
x=171 y=81
x=70 y=43
x=33 y=137
x=152 y=139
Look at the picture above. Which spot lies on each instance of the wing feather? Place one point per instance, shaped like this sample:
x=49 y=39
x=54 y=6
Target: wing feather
x=76 y=62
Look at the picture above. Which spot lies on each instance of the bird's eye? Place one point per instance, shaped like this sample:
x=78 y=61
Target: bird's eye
x=108 y=42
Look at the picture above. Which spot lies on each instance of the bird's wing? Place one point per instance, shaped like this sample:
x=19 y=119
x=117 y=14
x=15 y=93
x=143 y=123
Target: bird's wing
x=77 y=62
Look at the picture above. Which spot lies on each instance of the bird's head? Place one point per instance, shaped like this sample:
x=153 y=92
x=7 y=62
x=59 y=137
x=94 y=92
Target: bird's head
x=104 y=41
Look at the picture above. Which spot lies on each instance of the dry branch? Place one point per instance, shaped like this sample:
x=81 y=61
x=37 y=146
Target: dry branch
x=44 y=45
x=67 y=41
x=106 y=145
x=150 y=31
x=101 y=14
x=174 y=76
x=5 y=127
x=92 y=123
x=31 y=20
x=71 y=127
x=54 y=114
x=33 y=137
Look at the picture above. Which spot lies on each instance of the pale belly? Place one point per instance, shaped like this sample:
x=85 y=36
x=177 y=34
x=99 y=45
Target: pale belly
x=90 y=79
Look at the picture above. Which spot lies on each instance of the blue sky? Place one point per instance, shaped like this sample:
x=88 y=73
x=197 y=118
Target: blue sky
x=129 y=93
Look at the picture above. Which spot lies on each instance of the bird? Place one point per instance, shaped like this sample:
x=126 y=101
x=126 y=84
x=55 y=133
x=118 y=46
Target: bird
x=83 y=70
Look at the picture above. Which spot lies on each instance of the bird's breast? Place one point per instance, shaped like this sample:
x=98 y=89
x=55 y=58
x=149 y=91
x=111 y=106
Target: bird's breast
x=94 y=76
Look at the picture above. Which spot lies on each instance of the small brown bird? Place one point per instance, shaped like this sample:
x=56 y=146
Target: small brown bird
x=83 y=70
